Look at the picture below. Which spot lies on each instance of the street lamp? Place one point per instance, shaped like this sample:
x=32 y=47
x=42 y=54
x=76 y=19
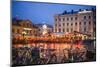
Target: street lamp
x=23 y=34
x=44 y=27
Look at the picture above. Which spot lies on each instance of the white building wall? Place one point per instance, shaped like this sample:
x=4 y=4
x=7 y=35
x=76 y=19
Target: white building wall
x=80 y=24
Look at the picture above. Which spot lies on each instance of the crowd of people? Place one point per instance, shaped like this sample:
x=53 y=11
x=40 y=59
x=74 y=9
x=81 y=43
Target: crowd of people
x=37 y=55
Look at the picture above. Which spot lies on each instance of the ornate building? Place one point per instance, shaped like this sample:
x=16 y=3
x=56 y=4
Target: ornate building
x=44 y=29
x=82 y=21
x=23 y=27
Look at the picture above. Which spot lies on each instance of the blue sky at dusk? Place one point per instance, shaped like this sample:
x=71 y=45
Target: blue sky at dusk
x=42 y=12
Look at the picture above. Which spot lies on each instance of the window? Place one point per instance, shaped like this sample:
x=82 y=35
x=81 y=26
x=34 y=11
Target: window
x=39 y=30
x=84 y=23
x=63 y=30
x=30 y=32
x=59 y=19
x=59 y=30
x=28 y=25
x=59 y=25
x=94 y=22
x=24 y=24
x=84 y=17
x=56 y=25
x=33 y=31
x=67 y=19
x=13 y=30
x=27 y=31
x=94 y=29
x=71 y=29
x=55 y=30
x=71 y=18
x=18 y=31
x=94 y=17
x=67 y=24
x=75 y=18
x=89 y=22
x=55 y=19
x=63 y=24
x=89 y=17
x=63 y=19
x=71 y=24
x=67 y=30
x=84 y=29
x=76 y=23
x=80 y=23
x=80 y=29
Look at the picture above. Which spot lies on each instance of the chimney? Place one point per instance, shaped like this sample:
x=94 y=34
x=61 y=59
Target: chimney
x=80 y=10
x=92 y=9
x=72 y=11
x=65 y=12
x=86 y=9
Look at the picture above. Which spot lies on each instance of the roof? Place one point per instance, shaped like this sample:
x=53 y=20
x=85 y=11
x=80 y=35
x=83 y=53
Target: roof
x=84 y=11
x=76 y=12
x=18 y=21
x=40 y=25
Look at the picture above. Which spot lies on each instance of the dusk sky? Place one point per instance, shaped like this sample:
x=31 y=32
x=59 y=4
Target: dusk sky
x=42 y=12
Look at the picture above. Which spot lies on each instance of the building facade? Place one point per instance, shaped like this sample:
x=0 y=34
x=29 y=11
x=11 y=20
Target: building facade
x=44 y=29
x=82 y=21
x=23 y=27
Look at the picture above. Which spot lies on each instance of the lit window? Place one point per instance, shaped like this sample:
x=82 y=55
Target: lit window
x=18 y=31
x=30 y=32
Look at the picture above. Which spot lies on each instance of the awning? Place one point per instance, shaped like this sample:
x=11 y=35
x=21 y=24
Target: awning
x=27 y=29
